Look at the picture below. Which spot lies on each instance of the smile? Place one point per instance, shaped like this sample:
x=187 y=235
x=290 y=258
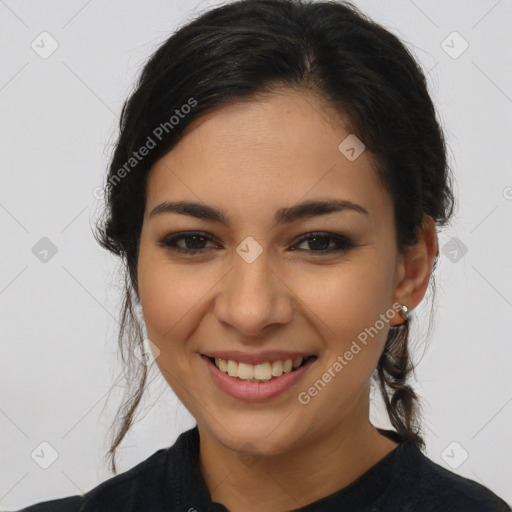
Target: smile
x=258 y=372
x=257 y=382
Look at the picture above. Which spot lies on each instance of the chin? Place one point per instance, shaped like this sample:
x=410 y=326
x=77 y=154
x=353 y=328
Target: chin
x=257 y=437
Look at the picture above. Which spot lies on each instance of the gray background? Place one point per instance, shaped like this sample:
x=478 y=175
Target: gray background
x=58 y=361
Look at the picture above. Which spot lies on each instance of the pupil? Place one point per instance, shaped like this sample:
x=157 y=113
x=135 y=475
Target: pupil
x=323 y=245
x=198 y=239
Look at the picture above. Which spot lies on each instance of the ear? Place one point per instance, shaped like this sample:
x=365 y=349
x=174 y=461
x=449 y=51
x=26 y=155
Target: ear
x=414 y=267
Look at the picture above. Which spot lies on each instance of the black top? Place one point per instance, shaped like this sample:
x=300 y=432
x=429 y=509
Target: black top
x=170 y=480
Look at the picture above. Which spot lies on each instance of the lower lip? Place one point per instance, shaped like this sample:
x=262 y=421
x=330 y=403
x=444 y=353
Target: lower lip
x=255 y=391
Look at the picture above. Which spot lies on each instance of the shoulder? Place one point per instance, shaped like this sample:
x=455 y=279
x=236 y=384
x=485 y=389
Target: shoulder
x=121 y=492
x=458 y=493
x=432 y=487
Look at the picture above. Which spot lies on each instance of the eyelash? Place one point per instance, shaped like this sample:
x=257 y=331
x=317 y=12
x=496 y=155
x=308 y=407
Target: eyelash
x=170 y=242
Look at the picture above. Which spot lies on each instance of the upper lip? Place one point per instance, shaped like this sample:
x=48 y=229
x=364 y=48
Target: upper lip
x=260 y=357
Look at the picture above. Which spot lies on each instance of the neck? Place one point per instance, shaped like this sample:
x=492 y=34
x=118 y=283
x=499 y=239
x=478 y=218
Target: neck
x=327 y=462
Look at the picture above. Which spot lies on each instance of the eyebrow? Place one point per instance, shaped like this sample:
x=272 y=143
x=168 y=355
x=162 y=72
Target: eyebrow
x=306 y=209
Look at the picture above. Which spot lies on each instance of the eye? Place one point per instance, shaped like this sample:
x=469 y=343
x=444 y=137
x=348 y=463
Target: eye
x=194 y=243
x=320 y=242
x=195 y=239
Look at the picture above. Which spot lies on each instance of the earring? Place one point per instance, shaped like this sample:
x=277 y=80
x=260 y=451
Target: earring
x=403 y=312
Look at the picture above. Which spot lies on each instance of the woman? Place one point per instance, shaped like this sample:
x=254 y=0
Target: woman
x=275 y=193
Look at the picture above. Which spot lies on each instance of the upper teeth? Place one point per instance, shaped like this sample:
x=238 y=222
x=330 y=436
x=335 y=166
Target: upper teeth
x=263 y=371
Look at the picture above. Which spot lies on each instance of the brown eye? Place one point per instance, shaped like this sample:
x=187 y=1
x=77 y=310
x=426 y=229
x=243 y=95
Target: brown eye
x=321 y=243
x=193 y=242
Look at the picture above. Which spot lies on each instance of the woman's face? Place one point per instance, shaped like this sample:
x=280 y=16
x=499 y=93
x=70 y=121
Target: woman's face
x=256 y=286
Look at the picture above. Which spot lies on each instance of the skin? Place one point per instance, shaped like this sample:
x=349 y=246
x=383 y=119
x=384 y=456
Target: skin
x=251 y=159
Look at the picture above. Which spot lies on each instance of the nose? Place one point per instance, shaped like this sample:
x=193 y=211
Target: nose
x=253 y=297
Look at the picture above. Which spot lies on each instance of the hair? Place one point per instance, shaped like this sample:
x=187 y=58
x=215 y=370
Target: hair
x=246 y=49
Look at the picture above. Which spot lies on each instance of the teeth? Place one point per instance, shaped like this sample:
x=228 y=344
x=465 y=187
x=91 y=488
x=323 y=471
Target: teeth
x=287 y=366
x=222 y=364
x=258 y=372
x=262 y=371
x=245 y=371
x=232 y=368
x=277 y=368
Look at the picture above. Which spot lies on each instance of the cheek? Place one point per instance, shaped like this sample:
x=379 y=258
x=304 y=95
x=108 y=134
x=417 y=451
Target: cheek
x=345 y=308
x=173 y=297
x=346 y=297
x=348 y=306
x=168 y=297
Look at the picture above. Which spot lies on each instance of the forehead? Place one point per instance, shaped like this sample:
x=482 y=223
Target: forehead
x=266 y=153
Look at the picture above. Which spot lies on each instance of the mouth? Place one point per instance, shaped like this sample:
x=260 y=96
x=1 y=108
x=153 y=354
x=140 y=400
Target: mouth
x=262 y=372
x=257 y=382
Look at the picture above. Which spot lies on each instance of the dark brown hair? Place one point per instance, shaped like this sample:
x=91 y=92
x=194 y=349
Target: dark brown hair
x=250 y=47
